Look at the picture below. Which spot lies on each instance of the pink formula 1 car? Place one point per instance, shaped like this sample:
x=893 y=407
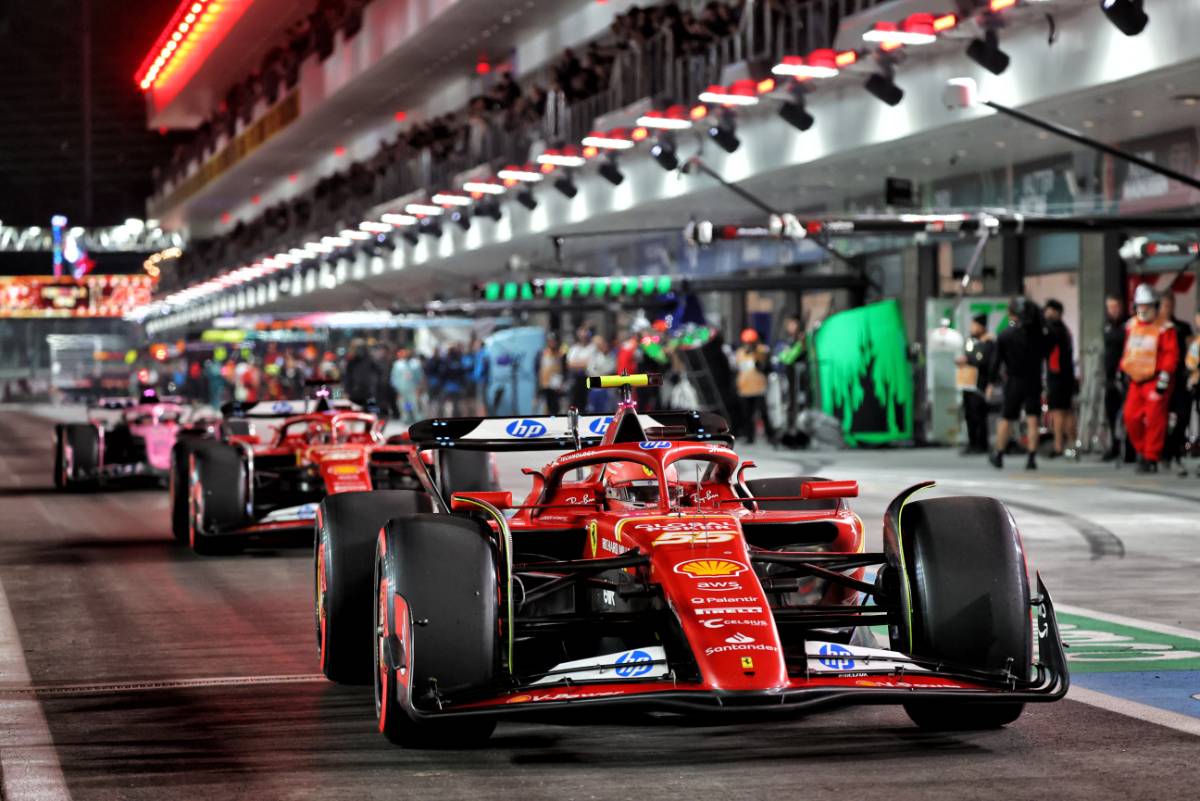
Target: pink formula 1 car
x=123 y=438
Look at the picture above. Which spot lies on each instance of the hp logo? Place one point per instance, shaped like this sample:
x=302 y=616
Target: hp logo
x=835 y=657
x=525 y=429
x=654 y=444
x=281 y=407
x=632 y=664
x=600 y=425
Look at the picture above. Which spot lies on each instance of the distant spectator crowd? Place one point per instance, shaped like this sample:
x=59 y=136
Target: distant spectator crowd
x=504 y=106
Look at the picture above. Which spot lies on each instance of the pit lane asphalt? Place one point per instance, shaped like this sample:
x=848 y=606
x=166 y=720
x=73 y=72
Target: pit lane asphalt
x=101 y=595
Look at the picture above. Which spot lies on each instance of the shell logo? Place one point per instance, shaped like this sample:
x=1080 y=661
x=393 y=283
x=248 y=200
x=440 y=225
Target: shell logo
x=709 y=568
x=518 y=699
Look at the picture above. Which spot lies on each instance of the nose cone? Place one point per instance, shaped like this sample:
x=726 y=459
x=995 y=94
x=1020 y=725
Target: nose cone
x=704 y=569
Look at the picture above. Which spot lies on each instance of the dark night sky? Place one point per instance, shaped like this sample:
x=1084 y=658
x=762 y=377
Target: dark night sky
x=41 y=103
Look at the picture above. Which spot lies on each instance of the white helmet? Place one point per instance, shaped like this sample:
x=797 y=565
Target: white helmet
x=1144 y=295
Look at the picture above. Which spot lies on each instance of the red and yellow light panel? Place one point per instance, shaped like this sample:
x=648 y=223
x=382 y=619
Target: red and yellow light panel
x=195 y=29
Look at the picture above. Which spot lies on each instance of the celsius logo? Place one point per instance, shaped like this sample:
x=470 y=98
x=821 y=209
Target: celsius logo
x=654 y=444
x=600 y=425
x=835 y=657
x=739 y=639
x=632 y=664
x=525 y=429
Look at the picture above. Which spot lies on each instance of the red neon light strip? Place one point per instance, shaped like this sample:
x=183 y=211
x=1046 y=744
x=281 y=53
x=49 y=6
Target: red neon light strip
x=192 y=21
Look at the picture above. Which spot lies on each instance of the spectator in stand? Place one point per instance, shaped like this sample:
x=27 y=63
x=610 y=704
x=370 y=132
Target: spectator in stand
x=1180 y=405
x=1020 y=351
x=750 y=363
x=552 y=371
x=579 y=360
x=1061 y=386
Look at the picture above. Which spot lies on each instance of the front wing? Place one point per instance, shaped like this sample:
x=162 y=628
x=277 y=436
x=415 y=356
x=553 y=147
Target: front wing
x=931 y=681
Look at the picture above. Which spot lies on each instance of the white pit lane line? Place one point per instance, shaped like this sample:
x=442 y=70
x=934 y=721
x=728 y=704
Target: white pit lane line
x=28 y=761
x=1132 y=709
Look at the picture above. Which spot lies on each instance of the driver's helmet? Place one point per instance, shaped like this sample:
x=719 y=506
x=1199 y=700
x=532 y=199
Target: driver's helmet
x=635 y=485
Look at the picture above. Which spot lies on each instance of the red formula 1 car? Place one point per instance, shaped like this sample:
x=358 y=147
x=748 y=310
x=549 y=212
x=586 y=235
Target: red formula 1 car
x=273 y=462
x=643 y=570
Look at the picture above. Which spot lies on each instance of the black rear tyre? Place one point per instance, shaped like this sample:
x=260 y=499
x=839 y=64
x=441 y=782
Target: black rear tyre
x=77 y=455
x=347 y=529
x=435 y=618
x=970 y=601
x=216 y=497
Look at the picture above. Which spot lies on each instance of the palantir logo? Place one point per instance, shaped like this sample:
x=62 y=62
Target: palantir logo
x=835 y=657
x=600 y=425
x=525 y=429
x=632 y=664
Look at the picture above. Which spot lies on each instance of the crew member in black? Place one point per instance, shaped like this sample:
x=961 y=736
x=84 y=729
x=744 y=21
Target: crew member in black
x=976 y=362
x=1061 y=386
x=1114 y=379
x=1181 y=401
x=1020 y=350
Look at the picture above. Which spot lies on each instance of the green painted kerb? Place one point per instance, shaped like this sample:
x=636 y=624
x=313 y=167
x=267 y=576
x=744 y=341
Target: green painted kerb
x=863 y=351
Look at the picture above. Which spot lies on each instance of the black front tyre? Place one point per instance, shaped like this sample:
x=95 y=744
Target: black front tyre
x=216 y=497
x=435 y=623
x=178 y=478
x=347 y=528
x=970 y=601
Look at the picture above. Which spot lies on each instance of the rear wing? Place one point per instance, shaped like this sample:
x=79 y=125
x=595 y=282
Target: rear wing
x=120 y=403
x=553 y=433
x=280 y=409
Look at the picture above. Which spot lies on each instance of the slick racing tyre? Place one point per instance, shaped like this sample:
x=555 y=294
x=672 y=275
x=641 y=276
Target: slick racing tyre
x=970 y=601
x=436 y=628
x=76 y=455
x=465 y=471
x=216 y=497
x=177 y=486
x=347 y=528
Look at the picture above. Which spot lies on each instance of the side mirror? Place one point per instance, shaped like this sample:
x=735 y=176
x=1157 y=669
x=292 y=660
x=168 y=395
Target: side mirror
x=461 y=502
